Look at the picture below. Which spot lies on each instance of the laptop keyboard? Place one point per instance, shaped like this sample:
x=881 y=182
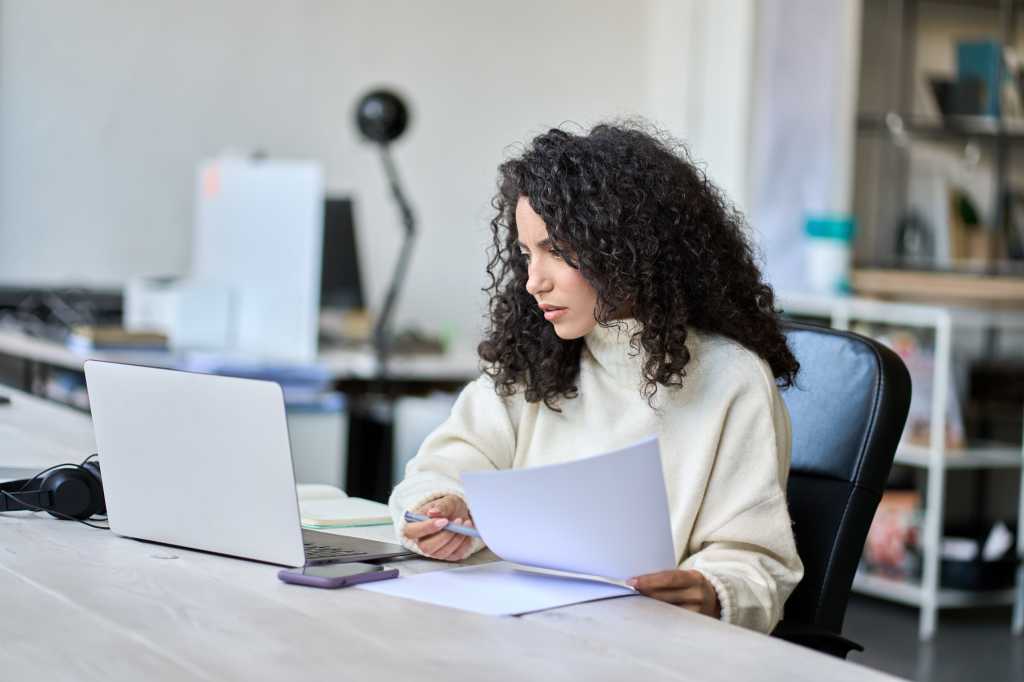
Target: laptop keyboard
x=317 y=551
x=326 y=547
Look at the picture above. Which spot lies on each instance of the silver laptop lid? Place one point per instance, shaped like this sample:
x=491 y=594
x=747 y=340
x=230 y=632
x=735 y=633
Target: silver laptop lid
x=196 y=460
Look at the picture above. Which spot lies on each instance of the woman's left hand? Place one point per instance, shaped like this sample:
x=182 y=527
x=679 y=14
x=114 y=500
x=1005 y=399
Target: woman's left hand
x=689 y=589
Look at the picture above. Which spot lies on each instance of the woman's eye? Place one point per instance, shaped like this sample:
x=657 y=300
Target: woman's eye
x=556 y=254
x=525 y=256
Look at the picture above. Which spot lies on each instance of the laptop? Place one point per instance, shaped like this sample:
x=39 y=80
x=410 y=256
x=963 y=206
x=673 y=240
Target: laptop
x=204 y=462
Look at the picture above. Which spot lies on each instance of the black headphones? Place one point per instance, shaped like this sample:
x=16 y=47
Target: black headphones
x=66 y=491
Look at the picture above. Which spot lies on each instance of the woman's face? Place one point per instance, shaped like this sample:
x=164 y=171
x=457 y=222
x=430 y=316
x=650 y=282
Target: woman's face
x=568 y=300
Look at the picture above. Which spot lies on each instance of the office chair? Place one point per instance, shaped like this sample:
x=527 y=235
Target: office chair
x=847 y=408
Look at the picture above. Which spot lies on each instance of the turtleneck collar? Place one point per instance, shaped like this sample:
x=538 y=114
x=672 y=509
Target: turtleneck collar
x=610 y=348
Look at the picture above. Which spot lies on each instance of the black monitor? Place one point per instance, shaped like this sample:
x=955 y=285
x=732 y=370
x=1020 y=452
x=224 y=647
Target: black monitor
x=340 y=283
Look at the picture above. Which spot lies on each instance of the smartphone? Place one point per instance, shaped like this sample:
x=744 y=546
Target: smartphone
x=336 y=575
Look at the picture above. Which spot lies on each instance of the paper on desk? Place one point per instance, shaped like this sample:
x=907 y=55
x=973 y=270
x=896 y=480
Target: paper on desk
x=599 y=516
x=605 y=515
x=496 y=589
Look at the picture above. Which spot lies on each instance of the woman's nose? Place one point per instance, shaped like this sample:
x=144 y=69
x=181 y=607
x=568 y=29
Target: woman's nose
x=537 y=282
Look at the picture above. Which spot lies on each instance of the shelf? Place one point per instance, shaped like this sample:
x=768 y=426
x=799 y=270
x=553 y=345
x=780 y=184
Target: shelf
x=955 y=128
x=980 y=457
x=912 y=594
x=942 y=287
x=831 y=307
x=977 y=4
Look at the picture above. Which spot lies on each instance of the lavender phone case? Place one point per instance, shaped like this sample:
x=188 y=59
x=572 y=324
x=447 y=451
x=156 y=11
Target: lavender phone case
x=297 y=578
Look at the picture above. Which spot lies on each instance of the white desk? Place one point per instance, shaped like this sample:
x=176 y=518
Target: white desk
x=353 y=371
x=357 y=364
x=35 y=432
x=84 y=604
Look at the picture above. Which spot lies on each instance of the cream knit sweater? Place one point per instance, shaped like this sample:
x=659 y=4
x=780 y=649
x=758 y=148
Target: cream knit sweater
x=725 y=443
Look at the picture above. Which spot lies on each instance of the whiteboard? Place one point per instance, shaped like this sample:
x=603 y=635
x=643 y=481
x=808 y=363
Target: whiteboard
x=259 y=233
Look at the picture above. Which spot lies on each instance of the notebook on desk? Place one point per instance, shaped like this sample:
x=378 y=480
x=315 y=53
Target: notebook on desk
x=325 y=506
x=204 y=462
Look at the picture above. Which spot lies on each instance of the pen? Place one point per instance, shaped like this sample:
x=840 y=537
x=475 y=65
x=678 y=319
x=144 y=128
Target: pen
x=451 y=527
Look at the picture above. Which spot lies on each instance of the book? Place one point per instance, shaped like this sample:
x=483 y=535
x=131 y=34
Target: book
x=325 y=506
x=918 y=354
x=86 y=338
x=982 y=60
x=892 y=546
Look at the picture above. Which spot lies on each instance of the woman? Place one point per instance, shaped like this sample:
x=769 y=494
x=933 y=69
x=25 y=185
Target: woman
x=625 y=301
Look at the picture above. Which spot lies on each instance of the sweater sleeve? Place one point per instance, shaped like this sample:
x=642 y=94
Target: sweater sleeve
x=478 y=435
x=743 y=538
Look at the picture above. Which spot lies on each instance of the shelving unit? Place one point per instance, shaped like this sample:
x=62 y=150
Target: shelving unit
x=954 y=127
x=895 y=64
x=935 y=458
x=949 y=288
x=977 y=457
x=913 y=594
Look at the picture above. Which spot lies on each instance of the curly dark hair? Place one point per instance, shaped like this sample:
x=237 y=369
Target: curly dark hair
x=650 y=233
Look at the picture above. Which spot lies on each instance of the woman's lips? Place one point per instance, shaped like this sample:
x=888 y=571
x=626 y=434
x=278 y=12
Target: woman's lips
x=552 y=314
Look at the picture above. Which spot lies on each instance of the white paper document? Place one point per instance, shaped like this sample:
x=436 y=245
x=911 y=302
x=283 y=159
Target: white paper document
x=603 y=516
x=496 y=589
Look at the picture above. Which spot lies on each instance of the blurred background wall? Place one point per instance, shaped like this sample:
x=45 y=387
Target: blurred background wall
x=106 y=108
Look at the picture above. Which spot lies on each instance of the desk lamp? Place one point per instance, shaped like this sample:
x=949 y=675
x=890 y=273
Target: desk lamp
x=382 y=117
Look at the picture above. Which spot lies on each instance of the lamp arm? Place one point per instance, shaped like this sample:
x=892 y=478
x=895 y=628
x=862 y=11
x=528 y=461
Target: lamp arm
x=408 y=220
x=382 y=329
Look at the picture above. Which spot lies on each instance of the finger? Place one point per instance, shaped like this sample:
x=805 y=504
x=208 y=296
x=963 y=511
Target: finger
x=432 y=544
x=442 y=506
x=453 y=551
x=662 y=580
x=464 y=552
x=458 y=508
x=421 y=529
x=461 y=552
x=451 y=506
x=450 y=541
x=654 y=581
x=445 y=550
x=457 y=549
x=688 y=596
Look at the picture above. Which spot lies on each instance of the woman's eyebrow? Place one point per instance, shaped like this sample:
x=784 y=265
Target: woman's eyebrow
x=543 y=244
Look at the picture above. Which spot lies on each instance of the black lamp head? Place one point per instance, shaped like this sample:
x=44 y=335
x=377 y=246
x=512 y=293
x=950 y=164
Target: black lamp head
x=381 y=116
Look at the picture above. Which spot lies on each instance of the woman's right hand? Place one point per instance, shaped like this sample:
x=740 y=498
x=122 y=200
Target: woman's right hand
x=430 y=535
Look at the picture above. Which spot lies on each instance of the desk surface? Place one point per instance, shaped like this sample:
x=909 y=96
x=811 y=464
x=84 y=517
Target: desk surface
x=458 y=365
x=84 y=604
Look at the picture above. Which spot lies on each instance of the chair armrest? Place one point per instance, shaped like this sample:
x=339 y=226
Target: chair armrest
x=816 y=638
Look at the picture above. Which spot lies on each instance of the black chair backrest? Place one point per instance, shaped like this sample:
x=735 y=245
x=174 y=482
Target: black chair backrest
x=847 y=408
